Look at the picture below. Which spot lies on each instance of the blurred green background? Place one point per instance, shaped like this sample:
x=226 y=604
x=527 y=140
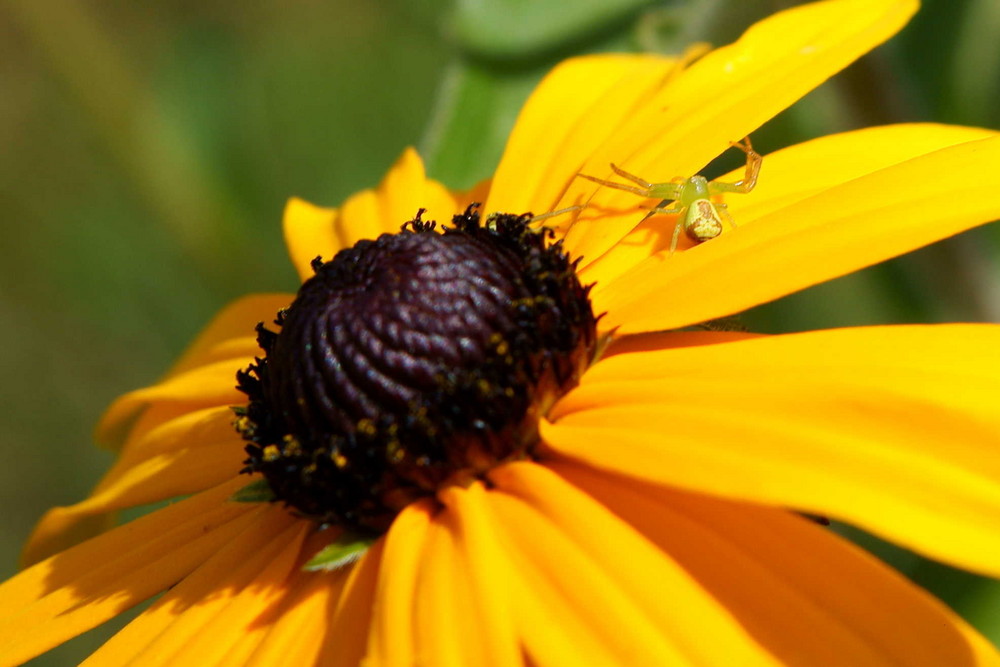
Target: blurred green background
x=148 y=150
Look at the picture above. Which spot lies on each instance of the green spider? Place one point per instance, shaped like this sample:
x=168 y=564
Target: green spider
x=691 y=197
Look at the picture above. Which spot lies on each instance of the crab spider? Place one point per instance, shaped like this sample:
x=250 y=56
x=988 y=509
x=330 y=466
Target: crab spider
x=698 y=215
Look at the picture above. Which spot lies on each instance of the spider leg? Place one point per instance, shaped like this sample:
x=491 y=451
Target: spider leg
x=678 y=226
x=726 y=215
x=550 y=214
x=749 y=180
x=616 y=186
x=629 y=176
x=659 y=209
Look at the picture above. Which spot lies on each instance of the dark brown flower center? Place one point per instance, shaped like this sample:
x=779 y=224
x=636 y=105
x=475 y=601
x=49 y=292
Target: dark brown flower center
x=419 y=359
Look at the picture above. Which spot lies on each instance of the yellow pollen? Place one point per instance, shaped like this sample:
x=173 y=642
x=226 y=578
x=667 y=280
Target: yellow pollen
x=338 y=459
x=366 y=427
x=395 y=451
x=292 y=446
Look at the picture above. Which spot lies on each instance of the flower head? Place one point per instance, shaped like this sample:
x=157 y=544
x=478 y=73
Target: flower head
x=414 y=362
x=549 y=473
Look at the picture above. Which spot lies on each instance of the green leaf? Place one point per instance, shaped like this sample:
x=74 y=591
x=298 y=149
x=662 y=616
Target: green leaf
x=525 y=28
x=344 y=550
x=257 y=491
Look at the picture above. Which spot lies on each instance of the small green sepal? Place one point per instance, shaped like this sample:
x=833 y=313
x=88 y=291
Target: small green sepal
x=257 y=491
x=344 y=550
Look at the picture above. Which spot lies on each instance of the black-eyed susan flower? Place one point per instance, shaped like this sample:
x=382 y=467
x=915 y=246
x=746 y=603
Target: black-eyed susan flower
x=549 y=473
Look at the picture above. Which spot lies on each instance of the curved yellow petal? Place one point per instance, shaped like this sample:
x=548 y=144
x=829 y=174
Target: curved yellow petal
x=208 y=386
x=568 y=116
x=228 y=337
x=790 y=175
x=562 y=622
x=842 y=229
x=311 y=231
x=346 y=639
x=446 y=633
x=230 y=334
x=191 y=429
x=172 y=449
x=893 y=429
x=477 y=194
x=301 y=630
x=165 y=457
x=806 y=595
x=487 y=575
x=391 y=640
x=298 y=624
x=80 y=588
x=156 y=479
x=627 y=591
x=801 y=171
x=55 y=533
x=64 y=527
x=723 y=97
x=184 y=455
x=177 y=442
x=221 y=608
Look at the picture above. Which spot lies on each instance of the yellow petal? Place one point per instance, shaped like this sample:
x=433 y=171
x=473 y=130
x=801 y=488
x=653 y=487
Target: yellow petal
x=842 y=229
x=347 y=633
x=222 y=608
x=172 y=457
x=790 y=175
x=182 y=455
x=807 y=596
x=487 y=576
x=568 y=116
x=559 y=622
x=311 y=231
x=193 y=429
x=230 y=334
x=725 y=96
x=475 y=195
x=269 y=643
x=228 y=337
x=391 y=641
x=806 y=169
x=655 y=587
x=185 y=455
x=891 y=428
x=300 y=631
x=300 y=625
x=445 y=630
x=81 y=588
x=170 y=450
x=159 y=478
x=208 y=386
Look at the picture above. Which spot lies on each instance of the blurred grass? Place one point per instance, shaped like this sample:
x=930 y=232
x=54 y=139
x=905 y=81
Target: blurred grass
x=149 y=150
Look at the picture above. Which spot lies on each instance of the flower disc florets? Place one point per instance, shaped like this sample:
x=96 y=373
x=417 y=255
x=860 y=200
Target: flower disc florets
x=419 y=359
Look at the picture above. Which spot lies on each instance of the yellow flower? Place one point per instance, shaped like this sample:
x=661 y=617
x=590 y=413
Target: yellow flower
x=652 y=522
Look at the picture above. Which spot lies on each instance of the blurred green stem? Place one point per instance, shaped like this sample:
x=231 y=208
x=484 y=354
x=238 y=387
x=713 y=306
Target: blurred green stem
x=975 y=70
x=474 y=109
